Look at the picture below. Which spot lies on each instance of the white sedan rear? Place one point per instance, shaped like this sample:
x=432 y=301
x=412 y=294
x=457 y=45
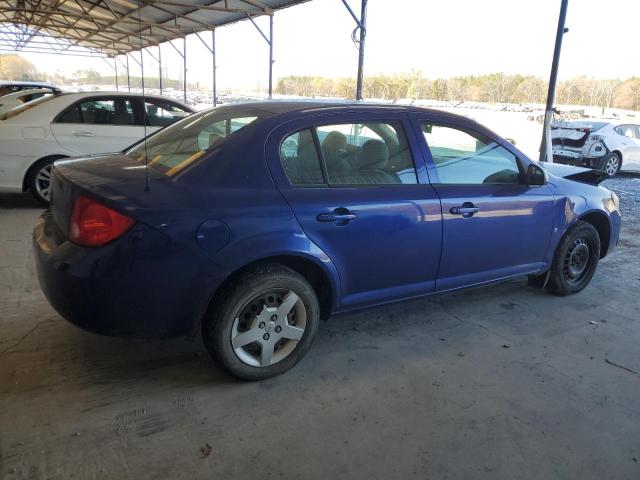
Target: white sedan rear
x=35 y=134
x=606 y=145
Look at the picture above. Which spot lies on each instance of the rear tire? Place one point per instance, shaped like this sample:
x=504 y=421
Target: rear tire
x=611 y=164
x=39 y=179
x=575 y=260
x=262 y=323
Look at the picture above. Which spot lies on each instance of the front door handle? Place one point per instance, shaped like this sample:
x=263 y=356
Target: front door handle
x=81 y=133
x=467 y=209
x=340 y=216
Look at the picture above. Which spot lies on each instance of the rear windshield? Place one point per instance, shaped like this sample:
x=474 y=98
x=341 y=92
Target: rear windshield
x=26 y=106
x=593 y=126
x=186 y=141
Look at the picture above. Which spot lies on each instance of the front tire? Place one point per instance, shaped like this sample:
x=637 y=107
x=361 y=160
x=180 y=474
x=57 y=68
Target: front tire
x=262 y=323
x=575 y=260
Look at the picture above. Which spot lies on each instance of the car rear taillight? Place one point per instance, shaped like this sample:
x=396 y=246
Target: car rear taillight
x=93 y=224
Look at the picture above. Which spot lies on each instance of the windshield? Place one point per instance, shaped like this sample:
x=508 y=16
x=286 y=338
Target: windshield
x=181 y=144
x=26 y=106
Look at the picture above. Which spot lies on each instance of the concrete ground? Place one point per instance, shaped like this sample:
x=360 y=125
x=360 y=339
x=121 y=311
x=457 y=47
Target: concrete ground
x=499 y=382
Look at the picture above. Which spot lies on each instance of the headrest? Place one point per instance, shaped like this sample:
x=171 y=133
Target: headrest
x=373 y=155
x=214 y=139
x=334 y=142
x=334 y=149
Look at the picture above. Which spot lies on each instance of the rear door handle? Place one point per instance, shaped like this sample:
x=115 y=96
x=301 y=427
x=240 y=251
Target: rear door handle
x=81 y=133
x=336 y=217
x=467 y=209
x=340 y=216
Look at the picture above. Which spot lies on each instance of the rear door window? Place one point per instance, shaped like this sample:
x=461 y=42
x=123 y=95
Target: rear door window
x=300 y=159
x=626 y=131
x=349 y=154
x=161 y=113
x=103 y=111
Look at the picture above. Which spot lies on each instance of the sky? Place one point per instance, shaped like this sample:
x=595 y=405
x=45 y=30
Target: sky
x=440 y=38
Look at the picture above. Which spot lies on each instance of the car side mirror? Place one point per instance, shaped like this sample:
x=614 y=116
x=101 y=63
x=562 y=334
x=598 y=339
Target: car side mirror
x=535 y=176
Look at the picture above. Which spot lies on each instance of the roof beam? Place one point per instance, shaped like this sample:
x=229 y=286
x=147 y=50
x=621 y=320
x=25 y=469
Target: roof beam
x=215 y=8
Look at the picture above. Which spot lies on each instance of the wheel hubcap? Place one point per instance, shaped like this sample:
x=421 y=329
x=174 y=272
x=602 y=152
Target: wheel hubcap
x=612 y=165
x=577 y=261
x=43 y=182
x=268 y=328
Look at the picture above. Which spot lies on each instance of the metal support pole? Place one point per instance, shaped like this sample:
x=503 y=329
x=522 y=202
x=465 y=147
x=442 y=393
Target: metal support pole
x=363 y=34
x=128 y=76
x=160 y=68
x=269 y=40
x=546 y=154
x=115 y=67
x=184 y=71
x=270 y=57
x=142 y=70
x=213 y=58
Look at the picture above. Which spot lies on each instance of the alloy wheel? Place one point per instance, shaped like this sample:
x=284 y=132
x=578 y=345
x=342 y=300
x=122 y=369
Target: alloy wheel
x=612 y=165
x=43 y=181
x=268 y=328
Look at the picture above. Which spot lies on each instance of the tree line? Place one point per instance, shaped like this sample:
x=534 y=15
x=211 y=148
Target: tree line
x=492 y=88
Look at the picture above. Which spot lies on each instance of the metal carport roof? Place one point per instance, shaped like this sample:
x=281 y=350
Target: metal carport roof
x=116 y=27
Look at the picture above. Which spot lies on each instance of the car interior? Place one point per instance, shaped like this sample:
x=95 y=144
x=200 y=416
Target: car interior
x=354 y=154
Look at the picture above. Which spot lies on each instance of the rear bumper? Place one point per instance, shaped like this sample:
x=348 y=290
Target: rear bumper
x=576 y=157
x=576 y=162
x=143 y=284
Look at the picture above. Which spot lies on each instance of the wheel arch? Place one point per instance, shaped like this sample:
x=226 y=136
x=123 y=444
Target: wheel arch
x=25 y=179
x=619 y=152
x=600 y=221
x=318 y=276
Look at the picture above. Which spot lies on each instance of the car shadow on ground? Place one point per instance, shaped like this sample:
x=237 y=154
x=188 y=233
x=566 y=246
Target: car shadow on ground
x=111 y=365
x=19 y=200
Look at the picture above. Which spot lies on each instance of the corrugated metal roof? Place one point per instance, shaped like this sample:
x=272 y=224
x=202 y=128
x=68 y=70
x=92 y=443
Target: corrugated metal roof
x=115 y=27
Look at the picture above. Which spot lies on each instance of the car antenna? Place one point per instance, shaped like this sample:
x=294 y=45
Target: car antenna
x=144 y=107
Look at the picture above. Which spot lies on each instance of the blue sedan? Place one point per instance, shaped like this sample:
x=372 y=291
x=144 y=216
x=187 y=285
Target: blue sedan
x=249 y=223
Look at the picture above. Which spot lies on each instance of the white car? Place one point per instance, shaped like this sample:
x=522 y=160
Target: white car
x=15 y=99
x=35 y=134
x=12 y=86
x=608 y=145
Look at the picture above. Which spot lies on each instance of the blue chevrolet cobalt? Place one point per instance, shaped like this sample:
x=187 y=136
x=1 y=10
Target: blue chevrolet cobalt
x=247 y=224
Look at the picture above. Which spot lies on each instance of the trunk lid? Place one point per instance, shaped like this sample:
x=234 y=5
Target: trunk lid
x=570 y=137
x=116 y=180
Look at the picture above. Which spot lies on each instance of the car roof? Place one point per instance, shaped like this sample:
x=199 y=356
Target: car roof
x=280 y=107
x=29 y=91
x=47 y=109
x=103 y=93
x=25 y=83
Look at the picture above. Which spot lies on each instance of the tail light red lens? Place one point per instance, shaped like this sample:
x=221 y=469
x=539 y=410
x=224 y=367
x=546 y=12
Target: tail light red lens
x=93 y=224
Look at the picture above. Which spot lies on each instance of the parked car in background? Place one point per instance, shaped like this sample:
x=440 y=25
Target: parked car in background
x=15 y=99
x=37 y=133
x=249 y=223
x=12 y=86
x=610 y=146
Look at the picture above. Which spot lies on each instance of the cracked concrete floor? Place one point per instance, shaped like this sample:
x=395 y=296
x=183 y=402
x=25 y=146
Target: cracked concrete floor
x=499 y=382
